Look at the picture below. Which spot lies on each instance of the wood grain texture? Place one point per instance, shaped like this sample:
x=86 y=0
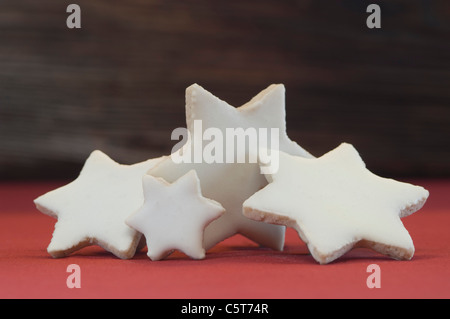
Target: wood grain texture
x=117 y=84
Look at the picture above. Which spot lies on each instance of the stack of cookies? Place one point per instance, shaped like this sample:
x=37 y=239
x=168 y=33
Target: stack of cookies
x=226 y=178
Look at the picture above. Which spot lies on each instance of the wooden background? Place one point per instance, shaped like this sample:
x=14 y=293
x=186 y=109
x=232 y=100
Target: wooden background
x=118 y=83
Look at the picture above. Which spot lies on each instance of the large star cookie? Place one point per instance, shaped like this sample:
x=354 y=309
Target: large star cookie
x=230 y=183
x=174 y=216
x=92 y=209
x=336 y=204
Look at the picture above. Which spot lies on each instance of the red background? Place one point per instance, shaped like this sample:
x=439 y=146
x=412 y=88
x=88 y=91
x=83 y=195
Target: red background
x=235 y=268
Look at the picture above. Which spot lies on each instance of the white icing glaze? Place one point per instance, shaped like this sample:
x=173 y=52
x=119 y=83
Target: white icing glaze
x=334 y=202
x=231 y=183
x=92 y=209
x=174 y=216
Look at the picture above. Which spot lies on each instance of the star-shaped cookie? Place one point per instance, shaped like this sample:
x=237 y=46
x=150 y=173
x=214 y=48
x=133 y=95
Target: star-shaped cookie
x=335 y=203
x=174 y=216
x=231 y=183
x=92 y=209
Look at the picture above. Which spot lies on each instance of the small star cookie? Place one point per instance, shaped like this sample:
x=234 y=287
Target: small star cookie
x=92 y=209
x=336 y=204
x=232 y=183
x=174 y=216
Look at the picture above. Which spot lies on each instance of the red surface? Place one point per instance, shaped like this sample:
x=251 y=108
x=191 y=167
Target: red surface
x=235 y=268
